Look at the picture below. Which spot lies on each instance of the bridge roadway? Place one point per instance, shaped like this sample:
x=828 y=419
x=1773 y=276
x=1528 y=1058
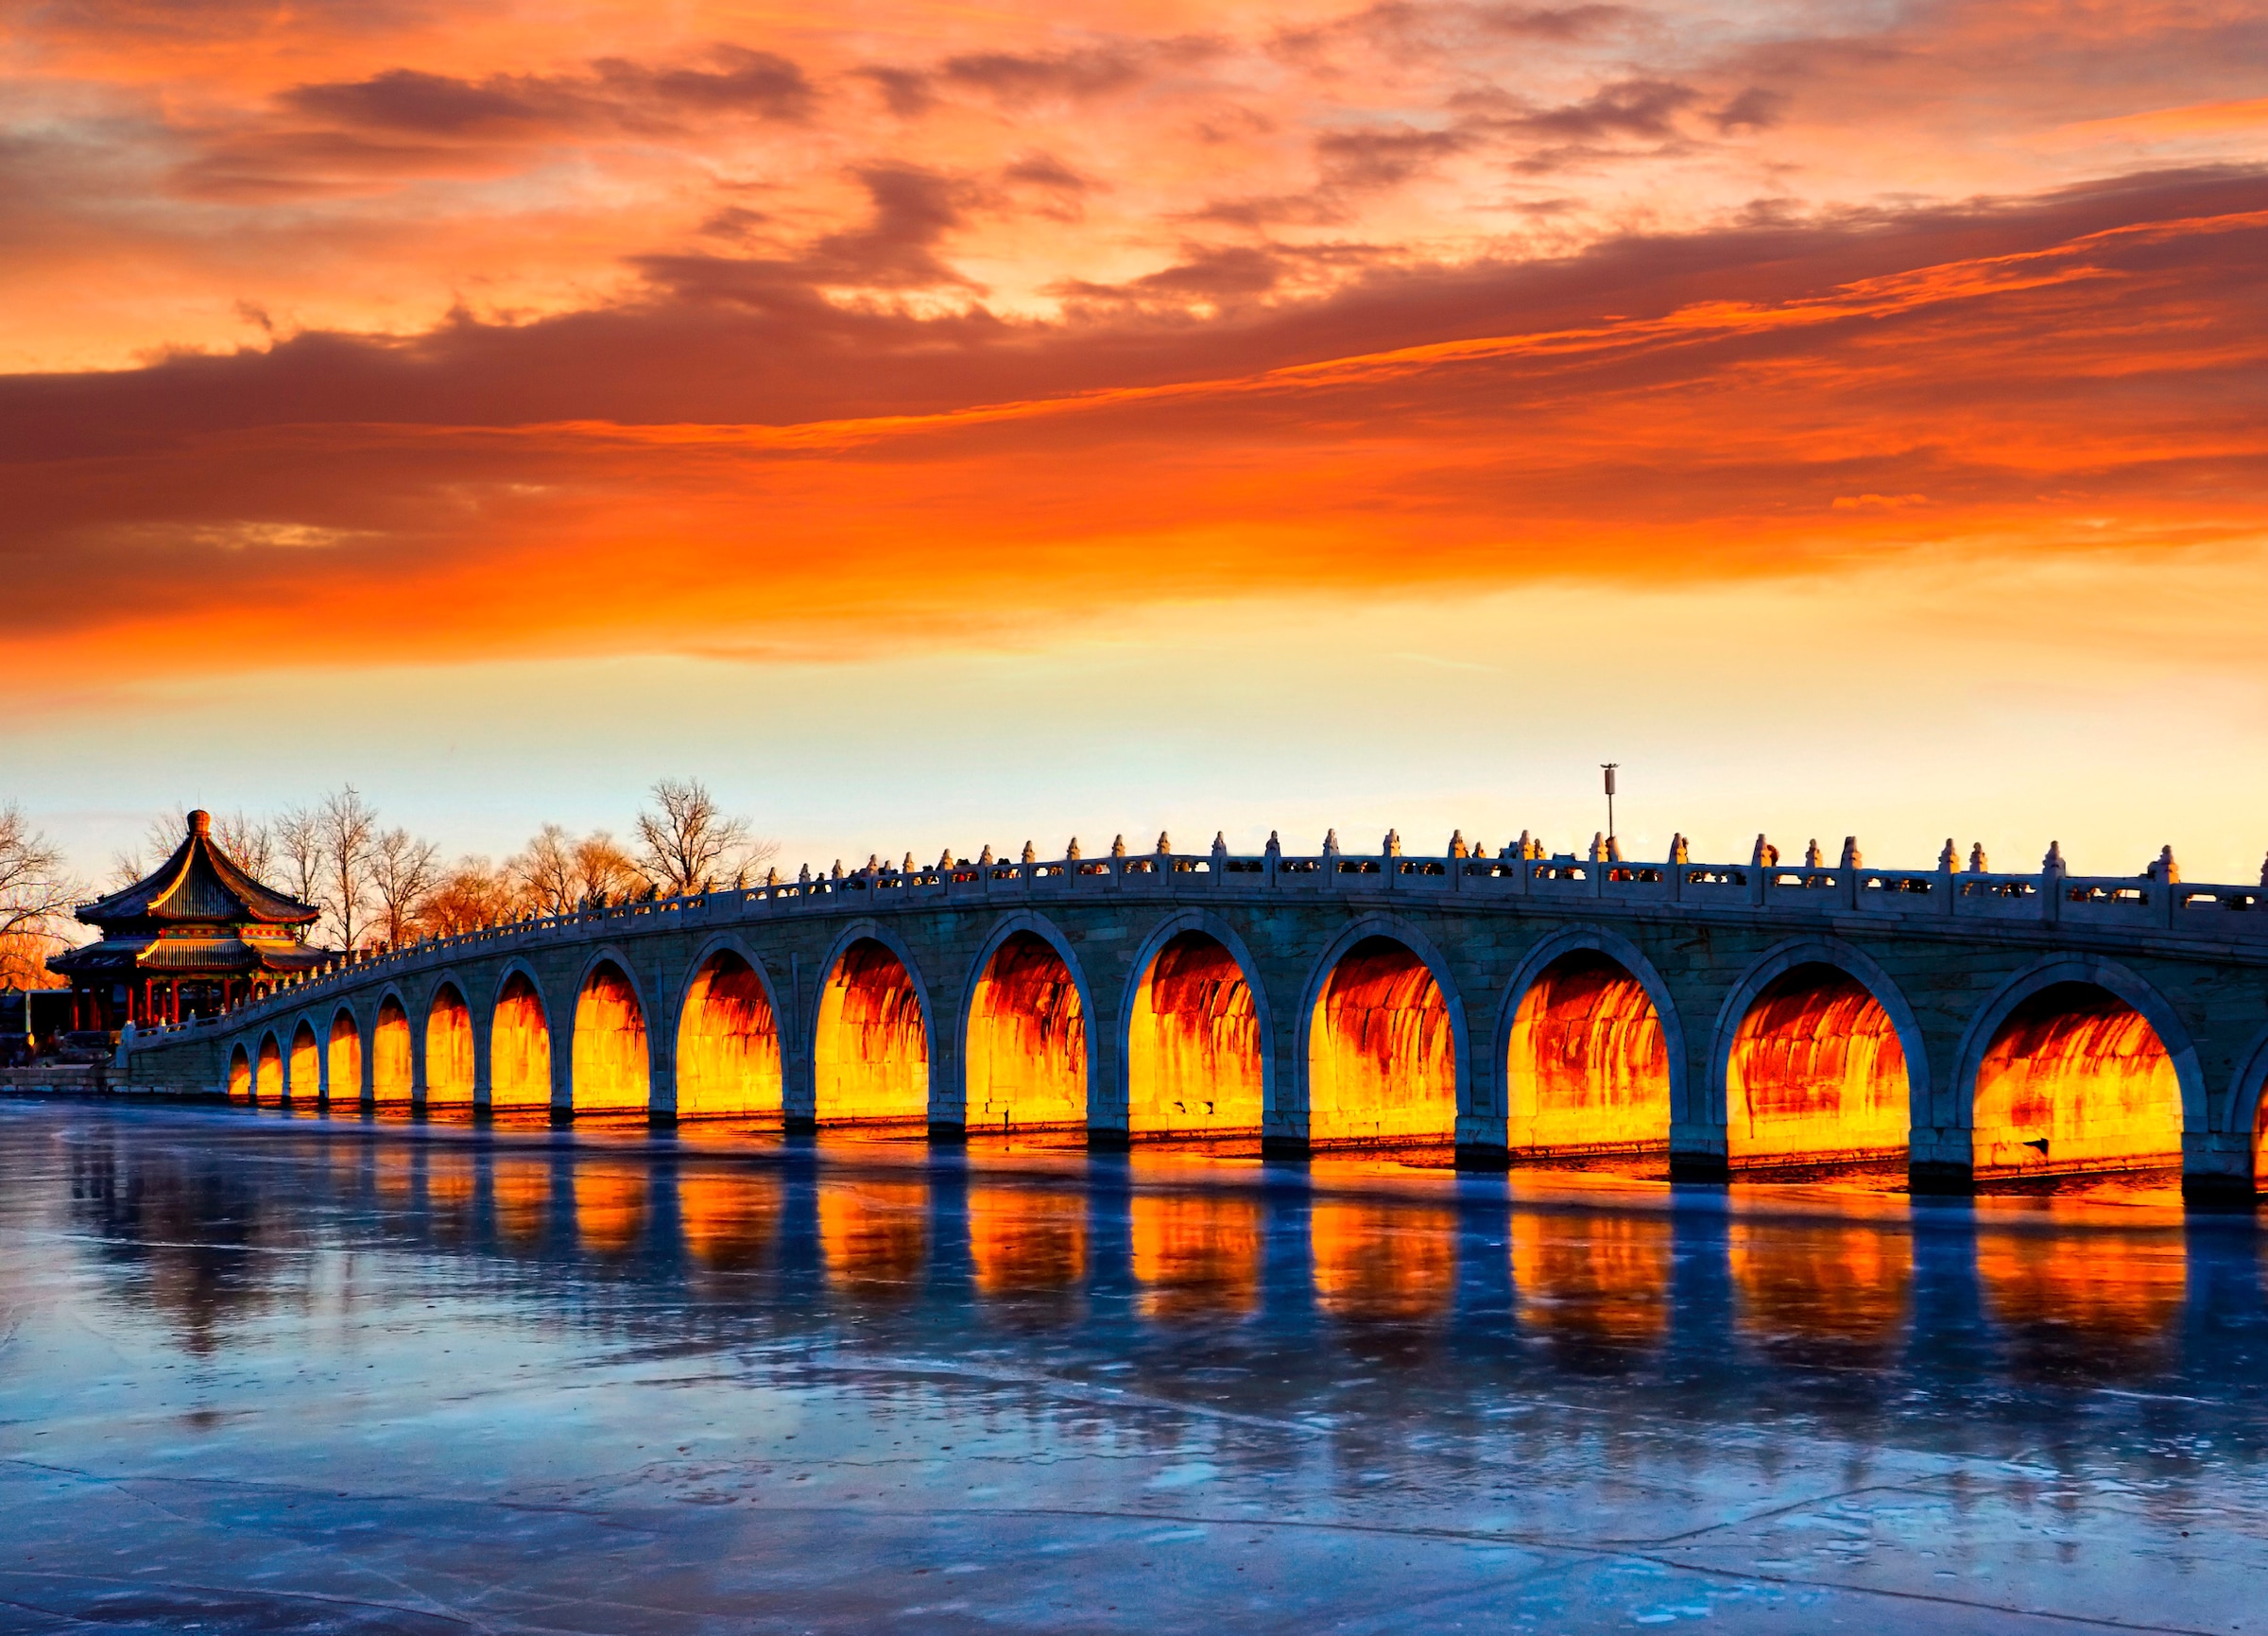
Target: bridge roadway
x=1972 y=1025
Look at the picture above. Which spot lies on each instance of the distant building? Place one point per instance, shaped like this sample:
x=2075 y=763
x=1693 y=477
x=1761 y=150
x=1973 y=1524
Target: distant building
x=194 y=938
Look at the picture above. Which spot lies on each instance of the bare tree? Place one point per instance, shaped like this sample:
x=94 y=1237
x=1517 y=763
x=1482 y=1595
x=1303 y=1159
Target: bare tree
x=603 y=871
x=404 y=873
x=546 y=870
x=165 y=832
x=468 y=895
x=685 y=841
x=346 y=825
x=249 y=843
x=35 y=889
x=298 y=842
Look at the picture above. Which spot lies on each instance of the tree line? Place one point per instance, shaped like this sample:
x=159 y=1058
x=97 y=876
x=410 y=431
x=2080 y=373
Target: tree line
x=376 y=884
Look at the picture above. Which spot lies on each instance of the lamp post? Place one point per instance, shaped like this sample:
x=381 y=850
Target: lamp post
x=1607 y=768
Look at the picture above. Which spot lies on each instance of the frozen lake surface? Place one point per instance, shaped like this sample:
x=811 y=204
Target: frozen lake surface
x=274 y=1373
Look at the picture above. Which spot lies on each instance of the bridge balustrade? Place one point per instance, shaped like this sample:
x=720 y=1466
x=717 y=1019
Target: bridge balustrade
x=1976 y=928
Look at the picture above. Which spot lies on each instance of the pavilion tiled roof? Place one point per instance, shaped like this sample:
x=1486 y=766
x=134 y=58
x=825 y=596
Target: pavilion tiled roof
x=199 y=881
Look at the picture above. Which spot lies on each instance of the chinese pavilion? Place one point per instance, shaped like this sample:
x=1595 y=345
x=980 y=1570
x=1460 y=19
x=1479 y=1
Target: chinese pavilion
x=195 y=936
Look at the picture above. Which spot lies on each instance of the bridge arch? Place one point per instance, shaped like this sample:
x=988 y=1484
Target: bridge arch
x=2118 y=1096
x=612 y=1064
x=267 y=1070
x=342 y=1058
x=449 y=1055
x=730 y=1045
x=519 y=1040
x=1815 y=1023
x=1590 y=998
x=1028 y=1043
x=1386 y=1058
x=871 y=1032
x=303 y=1067
x=240 y=1072
x=393 y=1051
x=1200 y=1036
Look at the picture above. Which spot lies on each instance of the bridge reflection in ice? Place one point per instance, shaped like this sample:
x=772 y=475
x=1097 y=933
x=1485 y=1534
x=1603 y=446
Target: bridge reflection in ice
x=470 y=1372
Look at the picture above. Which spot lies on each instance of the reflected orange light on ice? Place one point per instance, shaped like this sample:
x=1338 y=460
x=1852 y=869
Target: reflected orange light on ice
x=2090 y=1301
x=1586 y=1067
x=450 y=1180
x=1384 y=1263
x=1027 y=1039
x=1020 y=1238
x=344 y=1064
x=390 y=1065
x=2075 y=1079
x=267 y=1085
x=521 y=1189
x=519 y=1048
x=610 y=1071
x=306 y=1077
x=728 y=1219
x=609 y=1206
x=449 y=1049
x=1816 y=1073
x=874 y=1235
x=1802 y=1280
x=728 y=1043
x=1381 y=1056
x=871 y=1055
x=392 y=1171
x=1602 y=1278
x=1196 y=1255
x=1193 y=1043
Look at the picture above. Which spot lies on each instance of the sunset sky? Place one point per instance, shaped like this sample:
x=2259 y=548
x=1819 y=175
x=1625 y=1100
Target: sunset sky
x=939 y=425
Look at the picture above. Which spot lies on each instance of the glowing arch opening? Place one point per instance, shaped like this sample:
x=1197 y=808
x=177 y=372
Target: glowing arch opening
x=344 y=1066
x=449 y=1047
x=390 y=1065
x=268 y=1078
x=1381 y=1059
x=2075 y=1079
x=1027 y=1039
x=1586 y=1067
x=519 y=1047
x=240 y=1075
x=1193 y=1045
x=610 y=1063
x=871 y=1055
x=305 y=1080
x=728 y=1043
x=1816 y=1074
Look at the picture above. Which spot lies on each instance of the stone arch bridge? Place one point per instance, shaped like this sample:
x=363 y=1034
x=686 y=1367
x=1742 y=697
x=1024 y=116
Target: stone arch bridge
x=1743 y=1017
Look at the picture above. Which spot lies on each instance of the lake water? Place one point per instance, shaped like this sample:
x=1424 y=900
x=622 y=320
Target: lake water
x=274 y=1373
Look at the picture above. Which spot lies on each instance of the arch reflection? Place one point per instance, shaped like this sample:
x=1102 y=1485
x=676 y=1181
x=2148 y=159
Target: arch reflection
x=1384 y=1263
x=609 y=1206
x=1593 y=1278
x=1026 y=1240
x=1196 y=1255
x=874 y=1236
x=1846 y=1287
x=520 y=1194
x=730 y=1219
x=2085 y=1304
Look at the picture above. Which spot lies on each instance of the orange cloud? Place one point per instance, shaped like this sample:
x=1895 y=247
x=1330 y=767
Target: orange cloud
x=2061 y=390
